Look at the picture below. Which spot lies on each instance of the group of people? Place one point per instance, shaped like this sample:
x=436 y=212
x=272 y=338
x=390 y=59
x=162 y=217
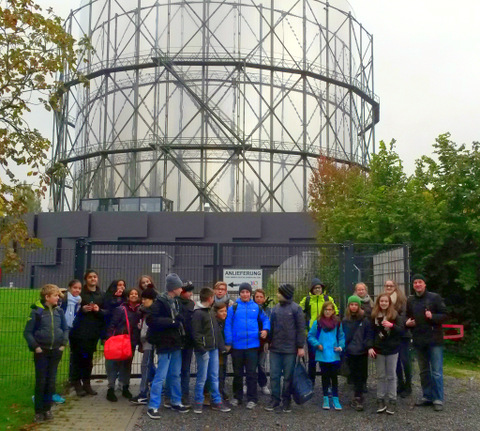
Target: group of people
x=215 y=328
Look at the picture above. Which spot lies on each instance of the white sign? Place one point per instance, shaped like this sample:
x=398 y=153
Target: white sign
x=156 y=268
x=235 y=277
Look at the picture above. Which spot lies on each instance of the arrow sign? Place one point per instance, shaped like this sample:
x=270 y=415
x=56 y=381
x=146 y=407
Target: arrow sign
x=233 y=277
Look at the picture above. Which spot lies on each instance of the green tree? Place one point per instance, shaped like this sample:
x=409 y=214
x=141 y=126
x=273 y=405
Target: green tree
x=34 y=47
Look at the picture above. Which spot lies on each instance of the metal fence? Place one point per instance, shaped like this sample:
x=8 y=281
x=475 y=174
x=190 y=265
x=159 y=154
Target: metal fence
x=340 y=266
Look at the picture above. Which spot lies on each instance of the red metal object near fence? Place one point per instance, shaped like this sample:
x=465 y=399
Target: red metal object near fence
x=453 y=335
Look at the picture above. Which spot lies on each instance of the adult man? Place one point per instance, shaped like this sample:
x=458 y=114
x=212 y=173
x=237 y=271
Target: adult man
x=244 y=326
x=166 y=332
x=426 y=312
x=287 y=337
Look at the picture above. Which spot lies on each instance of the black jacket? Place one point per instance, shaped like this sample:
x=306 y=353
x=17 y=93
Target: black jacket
x=118 y=323
x=206 y=332
x=165 y=326
x=186 y=309
x=427 y=331
x=46 y=327
x=387 y=342
x=358 y=335
x=89 y=325
x=287 y=328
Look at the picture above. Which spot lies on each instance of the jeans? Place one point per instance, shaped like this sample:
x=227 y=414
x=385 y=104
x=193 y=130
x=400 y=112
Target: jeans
x=147 y=369
x=404 y=365
x=222 y=373
x=207 y=367
x=245 y=359
x=185 y=373
x=262 y=361
x=282 y=362
x=430 y=362
x=358 y=366
x=81 y=358
x=120 y=369
x=46 y=364
x=387 y=376
x=168 y=368
x=330 y=377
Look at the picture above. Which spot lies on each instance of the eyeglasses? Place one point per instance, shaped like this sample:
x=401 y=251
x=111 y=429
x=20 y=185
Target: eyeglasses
x=328 y=309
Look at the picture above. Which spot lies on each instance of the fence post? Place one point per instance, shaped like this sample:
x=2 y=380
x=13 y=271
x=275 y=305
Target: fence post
x=349 y=269
x=215 y=263
x=79 y=263
x=406 y=268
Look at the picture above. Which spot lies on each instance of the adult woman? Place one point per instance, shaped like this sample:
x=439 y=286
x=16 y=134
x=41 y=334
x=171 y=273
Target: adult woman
x=122 y=369
x=85 y=333
x=404 y=364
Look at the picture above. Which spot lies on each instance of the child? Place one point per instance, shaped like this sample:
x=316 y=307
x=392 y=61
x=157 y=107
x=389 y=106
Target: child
x=46 y=334
x=148 y=366
x=388 y=328
x=327 y=338
x=114 y=297
x=145 y=282
x=260 y=298
x=358 y=339
x=71 y=304
x=208 y=342
x=362 y=292
x=221 y=294
x=220 y=310
x=122 y=369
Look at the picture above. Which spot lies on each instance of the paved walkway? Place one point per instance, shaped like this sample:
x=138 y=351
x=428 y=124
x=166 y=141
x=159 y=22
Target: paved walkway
x=95 y=413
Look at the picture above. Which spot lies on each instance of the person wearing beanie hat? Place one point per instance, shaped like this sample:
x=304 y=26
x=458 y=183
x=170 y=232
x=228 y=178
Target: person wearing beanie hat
x=286 y=339
x=426 y=313
x=246 y=323
x=354 y=298
x=166 y=331
x=149 y=293
x=312 y=306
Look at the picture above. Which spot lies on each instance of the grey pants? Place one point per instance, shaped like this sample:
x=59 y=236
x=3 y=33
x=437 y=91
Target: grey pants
x=120 y=369
x=387 y=376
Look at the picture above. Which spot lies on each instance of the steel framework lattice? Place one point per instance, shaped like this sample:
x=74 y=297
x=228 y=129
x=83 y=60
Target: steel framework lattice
x=212 y=103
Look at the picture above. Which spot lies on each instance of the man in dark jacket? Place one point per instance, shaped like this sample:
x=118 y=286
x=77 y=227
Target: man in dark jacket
x=166 y=332
x=426 y=312
x=287 y=337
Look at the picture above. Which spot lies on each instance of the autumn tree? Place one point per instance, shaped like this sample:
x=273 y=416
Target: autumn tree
x=34 y=47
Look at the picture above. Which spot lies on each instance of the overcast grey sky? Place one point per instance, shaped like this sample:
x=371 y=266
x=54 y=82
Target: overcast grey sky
x=427 y=64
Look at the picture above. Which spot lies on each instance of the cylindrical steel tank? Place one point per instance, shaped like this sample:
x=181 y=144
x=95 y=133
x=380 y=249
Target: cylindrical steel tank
x=213 y=105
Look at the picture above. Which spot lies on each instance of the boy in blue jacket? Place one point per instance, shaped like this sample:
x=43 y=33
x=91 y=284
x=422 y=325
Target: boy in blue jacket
x=47 y=335
x=246 y=323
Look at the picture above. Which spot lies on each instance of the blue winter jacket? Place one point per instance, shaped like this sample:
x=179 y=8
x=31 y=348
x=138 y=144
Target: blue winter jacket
x=241 y=326
x=329 y=340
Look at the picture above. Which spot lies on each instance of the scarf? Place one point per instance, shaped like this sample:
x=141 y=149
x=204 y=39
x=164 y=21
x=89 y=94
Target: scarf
x=73 y=305
x=367 y=300
x=393 y=298
x=328 y=324
x=225 y=299
x=174 y=309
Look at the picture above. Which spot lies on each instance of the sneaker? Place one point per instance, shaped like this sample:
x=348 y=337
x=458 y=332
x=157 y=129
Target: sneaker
x=357 y=404
x=272 y=405
x=326 y=403
x=381 y=407
x=391 y=407
x=221 y=407
x=153 y=413
x=126 y=393
x=186 y=402
x=48 y=415
x=265 y=390
x=39 y=417
x=438 y=407
x=251 y=405
x=336 y=403
x=139 y=400
x=180 y=408
x=167 y=403
x=235 y=402
x=422 y=402
x=111 y=395
x=56 y=398
x=198 y=408
x=286 y=407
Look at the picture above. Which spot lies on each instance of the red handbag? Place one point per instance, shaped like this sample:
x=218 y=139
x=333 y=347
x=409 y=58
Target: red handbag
x=119 y=347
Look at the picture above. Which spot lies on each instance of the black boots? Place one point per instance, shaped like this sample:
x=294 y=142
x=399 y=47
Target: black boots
x=111 y=395
x=126 y=393
x=87 y=388
x=77 y=385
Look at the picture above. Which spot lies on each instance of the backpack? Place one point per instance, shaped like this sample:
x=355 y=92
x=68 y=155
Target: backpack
x=259 y=319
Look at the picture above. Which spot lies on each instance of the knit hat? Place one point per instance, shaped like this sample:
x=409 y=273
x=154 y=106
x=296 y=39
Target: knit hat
x=355 y=298
x=173 y=282
x=188 y=286
x=286 y=290
x=149 y=293
x=245 y=286
x=418 y=277
x=316 y=282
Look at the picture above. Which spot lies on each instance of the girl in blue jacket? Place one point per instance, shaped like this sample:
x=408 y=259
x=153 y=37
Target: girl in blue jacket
x=327 y=338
